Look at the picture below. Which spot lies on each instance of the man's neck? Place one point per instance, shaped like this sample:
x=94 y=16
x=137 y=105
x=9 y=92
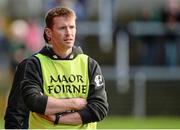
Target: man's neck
x=63 y=53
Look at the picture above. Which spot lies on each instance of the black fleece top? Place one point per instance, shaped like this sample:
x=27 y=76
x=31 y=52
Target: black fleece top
x=27 y=84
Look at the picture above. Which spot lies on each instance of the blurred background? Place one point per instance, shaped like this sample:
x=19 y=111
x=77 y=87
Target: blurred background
x=136 y=42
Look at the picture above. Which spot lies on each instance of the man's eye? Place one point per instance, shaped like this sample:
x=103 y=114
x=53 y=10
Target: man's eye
x=71 y=27
x=61 y=28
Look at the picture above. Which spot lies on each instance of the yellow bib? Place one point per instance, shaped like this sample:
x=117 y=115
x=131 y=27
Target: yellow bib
x=63 y=79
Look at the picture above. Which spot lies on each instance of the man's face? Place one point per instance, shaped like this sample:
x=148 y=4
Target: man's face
x=63 y=32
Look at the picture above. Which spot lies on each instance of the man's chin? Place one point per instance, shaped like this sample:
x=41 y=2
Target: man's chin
x=69 y=46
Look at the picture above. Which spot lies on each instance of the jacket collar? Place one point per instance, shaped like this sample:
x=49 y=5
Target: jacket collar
x=48 y=51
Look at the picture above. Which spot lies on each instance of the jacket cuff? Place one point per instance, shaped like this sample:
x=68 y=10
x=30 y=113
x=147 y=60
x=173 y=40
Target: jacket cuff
x=87 y=116
x=41 y=108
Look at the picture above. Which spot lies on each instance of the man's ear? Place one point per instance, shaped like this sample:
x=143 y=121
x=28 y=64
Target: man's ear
x=48 y=32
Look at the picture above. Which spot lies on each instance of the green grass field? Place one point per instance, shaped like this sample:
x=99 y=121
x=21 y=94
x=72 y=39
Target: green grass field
x=132 y=123
x=139 y=123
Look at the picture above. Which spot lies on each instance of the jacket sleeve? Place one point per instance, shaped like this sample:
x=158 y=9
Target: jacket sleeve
x=25 y=94
x=27 y=78
x=16 y=111
x=31 y=86
x=97 y=106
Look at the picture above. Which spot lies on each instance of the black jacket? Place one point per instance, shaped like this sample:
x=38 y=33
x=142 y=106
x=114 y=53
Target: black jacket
x=25 y=92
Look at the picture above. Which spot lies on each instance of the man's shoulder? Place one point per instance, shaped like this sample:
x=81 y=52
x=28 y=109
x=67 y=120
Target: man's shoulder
x=30 y=60
x=92 y=61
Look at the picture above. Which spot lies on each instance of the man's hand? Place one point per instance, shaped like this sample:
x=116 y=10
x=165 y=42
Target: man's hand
x=78 y=103
x=48 y=117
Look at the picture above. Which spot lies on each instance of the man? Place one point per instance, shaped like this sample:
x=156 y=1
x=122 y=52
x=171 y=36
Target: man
x=60 y=86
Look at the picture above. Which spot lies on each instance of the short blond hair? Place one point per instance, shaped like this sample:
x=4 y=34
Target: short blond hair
x=57 y=12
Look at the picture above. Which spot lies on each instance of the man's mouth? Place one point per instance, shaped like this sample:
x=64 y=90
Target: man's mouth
x=68 y=40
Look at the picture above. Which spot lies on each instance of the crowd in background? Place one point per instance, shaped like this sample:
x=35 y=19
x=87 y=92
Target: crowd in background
x=161 y=49
x=22 y=36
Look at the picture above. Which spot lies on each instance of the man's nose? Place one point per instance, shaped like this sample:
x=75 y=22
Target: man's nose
x=68 y=31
